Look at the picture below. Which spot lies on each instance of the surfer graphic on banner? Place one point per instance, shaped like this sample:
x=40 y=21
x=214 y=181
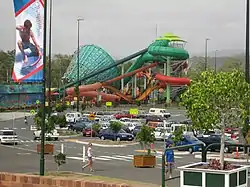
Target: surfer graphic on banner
x=29 y=41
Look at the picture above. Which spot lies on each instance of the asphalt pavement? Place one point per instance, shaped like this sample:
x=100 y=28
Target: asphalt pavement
x=110 y=162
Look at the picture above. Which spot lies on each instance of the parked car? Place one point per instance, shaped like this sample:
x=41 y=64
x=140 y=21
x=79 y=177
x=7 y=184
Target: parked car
x=88 y=132
x=136 y=130
x=187 y=139
x=159 y=112
x=216 y=138
x=52 y=135
x=110 y=135
x=77 y=127
x=161 y=133
x=123 y=115
x=8 y=137
x=73 y=117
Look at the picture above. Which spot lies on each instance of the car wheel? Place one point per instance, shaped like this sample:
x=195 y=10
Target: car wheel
x=226 y=150
x=35 y=138
x=190 y=150
x=56 y=139
x=118 y=139
x=102 y=138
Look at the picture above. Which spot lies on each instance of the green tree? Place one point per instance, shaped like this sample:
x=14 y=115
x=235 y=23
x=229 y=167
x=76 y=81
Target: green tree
x=115 y=126
x=146 y=137
x=96 y=127
x=60 y=159
x=217 y=101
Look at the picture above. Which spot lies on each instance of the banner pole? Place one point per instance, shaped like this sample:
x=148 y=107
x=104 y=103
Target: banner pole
x=42 y=161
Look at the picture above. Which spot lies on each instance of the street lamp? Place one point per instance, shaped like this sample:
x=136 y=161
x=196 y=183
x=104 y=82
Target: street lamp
x=78 y=61
x=50 y=48
x=215 y=60
x=206 y=42
x=247 y=57
x=42 y=162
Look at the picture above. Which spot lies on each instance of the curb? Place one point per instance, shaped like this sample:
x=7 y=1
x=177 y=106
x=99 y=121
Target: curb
x=176 y=153
x=101 y=145
x=72 y=136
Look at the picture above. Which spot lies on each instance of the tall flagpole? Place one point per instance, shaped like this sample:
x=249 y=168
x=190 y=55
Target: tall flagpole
x=42 y=161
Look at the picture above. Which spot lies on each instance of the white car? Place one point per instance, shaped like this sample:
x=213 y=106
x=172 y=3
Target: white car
x=73 y=117
x=161 y=134
x=159 y=112
x=53 y=135
x=8 y=137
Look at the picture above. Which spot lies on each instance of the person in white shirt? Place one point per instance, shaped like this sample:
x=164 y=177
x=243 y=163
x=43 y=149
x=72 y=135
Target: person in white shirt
x=90 y=158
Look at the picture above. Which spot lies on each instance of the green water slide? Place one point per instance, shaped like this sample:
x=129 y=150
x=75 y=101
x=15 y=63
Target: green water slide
x=159 y=51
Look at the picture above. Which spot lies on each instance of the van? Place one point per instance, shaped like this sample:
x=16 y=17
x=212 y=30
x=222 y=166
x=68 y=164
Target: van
x=73 y=117
x=159 y=112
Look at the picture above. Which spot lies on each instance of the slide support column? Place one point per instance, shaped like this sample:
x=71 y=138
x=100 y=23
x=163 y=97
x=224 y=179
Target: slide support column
x=168 y=90
x=122 y=80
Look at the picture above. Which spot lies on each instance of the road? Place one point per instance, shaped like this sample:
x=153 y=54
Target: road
x=110 y=162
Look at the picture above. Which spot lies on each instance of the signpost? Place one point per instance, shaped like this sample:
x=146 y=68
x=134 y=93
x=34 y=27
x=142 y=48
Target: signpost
x=133 y=111
x=32 y=111
x=91 y=118
x=109 y=104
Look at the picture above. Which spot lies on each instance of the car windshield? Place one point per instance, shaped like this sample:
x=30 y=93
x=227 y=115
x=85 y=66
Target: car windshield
x=122 y=131
x=9 y=133
x=70 y=115
x=191 y=138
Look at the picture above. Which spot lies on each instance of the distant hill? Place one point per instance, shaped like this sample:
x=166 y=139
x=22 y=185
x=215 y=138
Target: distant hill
x=223 y=53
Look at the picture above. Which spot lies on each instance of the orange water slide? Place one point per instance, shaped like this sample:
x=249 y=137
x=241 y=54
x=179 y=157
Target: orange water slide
x=172 y=80
x=118 y=93
x=147 y=92
x=105 y=97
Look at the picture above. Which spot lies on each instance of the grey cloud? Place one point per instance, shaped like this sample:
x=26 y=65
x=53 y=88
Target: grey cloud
x=125 y=26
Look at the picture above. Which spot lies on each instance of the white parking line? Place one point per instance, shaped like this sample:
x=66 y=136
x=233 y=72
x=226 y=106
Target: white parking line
x=126 y=157
x=114 y=158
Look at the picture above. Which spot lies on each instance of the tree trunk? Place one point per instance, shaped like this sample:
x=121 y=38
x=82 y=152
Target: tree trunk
x=222 y=147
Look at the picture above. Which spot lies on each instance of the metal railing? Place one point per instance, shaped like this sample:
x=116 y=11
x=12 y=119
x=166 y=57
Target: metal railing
x=164 y=161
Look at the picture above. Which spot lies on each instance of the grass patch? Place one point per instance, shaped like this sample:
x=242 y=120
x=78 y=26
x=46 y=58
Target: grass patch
x=77 y=176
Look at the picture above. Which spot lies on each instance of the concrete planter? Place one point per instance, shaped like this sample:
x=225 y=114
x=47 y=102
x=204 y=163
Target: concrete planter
x=197 y=177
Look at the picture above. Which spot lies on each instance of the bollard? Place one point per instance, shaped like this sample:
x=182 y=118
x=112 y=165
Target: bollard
x=83 y=154
x=237 y=152
x=62 y=148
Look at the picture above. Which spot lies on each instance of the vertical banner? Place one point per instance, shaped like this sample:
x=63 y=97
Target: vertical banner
x=28 y=66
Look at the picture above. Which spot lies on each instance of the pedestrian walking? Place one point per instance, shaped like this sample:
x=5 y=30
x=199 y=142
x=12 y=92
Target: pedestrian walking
x=169 y=160
x=90 y=158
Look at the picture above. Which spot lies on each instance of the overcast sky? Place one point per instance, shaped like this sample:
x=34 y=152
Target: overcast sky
x=122 y=27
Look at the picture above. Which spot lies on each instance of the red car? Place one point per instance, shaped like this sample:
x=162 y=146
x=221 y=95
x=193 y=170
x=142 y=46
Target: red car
x=120 y=115
x=87 y=132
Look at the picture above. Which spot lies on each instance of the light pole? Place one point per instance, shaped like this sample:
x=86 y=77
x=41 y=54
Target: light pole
x=44 y=90
x=247 y=57
x=78 y=61
x=206 y=44
x=50 y=48
x=215 y=60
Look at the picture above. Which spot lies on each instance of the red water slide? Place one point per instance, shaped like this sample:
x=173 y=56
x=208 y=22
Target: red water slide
x=172 y=80
x=105 y=97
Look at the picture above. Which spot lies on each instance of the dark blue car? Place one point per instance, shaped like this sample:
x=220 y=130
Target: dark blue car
x=187 y=140
x=108 y=134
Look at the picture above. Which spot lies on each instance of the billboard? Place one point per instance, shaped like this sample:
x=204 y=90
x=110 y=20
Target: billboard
x=28 y=66
x=20 y=95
